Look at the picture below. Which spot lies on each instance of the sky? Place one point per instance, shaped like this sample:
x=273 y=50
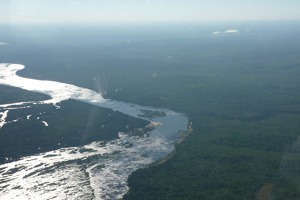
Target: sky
x=31 y=11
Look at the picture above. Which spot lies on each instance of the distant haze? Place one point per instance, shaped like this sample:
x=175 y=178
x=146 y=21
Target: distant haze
x=21 y=11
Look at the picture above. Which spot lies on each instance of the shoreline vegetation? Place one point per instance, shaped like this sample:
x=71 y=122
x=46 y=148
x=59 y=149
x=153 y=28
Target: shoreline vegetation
x=74 y=124
x=152 y=114
x=11 y=94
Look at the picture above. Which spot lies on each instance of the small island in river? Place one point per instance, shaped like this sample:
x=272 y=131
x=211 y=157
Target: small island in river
x=152 y=114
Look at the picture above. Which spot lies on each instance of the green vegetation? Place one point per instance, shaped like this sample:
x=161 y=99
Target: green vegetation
x=241 y=94
x=13 y=95
x=152 y=113
x=74 y=124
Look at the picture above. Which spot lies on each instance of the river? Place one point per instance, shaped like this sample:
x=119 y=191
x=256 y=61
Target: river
x=95 y=171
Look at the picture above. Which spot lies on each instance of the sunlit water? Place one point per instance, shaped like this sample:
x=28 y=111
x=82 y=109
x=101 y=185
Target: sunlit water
x=96 y=171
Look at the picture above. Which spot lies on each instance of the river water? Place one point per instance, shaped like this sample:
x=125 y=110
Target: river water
x=95 y=171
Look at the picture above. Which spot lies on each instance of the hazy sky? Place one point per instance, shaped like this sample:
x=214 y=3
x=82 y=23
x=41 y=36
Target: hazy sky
x=16 y=11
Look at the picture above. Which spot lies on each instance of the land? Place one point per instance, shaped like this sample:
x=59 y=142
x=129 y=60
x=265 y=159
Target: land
x=14 y=95
x=74 y=124
x=241 y=92
x=152 y=113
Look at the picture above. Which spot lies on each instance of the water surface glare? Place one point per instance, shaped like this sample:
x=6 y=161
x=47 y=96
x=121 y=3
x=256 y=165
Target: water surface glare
x=96 y=171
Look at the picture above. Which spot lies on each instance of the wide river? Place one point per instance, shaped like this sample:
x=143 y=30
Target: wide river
x=99 y=170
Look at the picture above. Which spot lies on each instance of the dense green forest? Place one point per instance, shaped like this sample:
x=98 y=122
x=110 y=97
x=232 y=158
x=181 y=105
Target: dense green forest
x=74 y=124
x=13 y=95
x=241 y=92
